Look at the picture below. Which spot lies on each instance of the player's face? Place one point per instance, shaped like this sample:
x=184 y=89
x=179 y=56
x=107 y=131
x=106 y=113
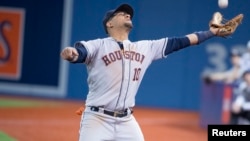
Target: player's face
x=122 y=19
x=235 y=59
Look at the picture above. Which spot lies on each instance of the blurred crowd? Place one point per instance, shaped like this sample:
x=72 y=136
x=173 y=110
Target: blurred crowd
x=239 y=77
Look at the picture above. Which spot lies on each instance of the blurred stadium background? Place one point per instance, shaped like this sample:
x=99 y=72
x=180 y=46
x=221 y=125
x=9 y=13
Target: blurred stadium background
x=32 y=34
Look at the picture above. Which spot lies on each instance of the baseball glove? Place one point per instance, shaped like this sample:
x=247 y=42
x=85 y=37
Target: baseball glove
x=225 y=27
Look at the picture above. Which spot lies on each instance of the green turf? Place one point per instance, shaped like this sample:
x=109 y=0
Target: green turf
x=23 y=103
x=5 y=137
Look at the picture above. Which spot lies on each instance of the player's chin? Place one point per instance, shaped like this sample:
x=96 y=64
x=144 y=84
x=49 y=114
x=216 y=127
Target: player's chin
x=129 y=25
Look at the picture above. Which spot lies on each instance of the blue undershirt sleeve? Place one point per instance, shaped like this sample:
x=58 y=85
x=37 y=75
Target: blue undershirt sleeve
x=82 y=51
x=176 y=43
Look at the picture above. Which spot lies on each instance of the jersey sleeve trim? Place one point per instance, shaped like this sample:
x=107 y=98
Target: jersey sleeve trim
x=83 y=44
x=164 y=48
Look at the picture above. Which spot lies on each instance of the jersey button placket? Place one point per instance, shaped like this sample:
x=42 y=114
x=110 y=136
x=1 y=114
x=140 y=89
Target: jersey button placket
x=125 y=83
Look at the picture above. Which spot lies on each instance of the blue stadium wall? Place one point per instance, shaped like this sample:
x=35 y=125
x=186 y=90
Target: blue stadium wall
x=46 y=26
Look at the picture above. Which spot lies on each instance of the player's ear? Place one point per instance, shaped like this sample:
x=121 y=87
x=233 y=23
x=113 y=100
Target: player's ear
x=109 y=24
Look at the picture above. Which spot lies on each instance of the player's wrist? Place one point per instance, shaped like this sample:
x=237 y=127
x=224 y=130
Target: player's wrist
x=82 y=54
x=204 y=35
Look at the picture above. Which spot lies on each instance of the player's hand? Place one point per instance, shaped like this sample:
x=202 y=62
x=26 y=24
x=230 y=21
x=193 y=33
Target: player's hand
x=214 y=30
x=70 y=54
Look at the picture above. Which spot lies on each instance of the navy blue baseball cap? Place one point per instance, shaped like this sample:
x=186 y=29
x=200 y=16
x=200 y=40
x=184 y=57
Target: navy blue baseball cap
x=122 y=8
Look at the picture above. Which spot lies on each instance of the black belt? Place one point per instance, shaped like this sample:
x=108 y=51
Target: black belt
x=111 y=113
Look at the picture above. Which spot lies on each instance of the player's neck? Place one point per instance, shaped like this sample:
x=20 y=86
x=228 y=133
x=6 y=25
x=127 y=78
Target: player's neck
x=119 y=35
x=120 y=38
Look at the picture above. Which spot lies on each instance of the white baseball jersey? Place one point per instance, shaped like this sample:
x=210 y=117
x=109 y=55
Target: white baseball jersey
x=114 y=75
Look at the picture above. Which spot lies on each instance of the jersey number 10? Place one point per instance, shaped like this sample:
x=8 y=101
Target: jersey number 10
x=137 y=74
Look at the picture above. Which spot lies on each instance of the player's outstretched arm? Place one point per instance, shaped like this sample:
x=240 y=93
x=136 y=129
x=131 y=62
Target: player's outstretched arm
x=70 y=54
x=199 y=37
x=75 y=54
x=177 y=43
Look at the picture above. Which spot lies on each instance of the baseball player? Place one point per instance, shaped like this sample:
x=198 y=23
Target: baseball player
x=232 y=75
x=115 y=67
x=241 y=104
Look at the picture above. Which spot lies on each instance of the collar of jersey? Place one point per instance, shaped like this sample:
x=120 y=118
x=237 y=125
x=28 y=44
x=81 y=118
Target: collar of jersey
x=111 y=38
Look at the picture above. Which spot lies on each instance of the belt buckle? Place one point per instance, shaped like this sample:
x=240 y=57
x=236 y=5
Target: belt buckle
x=116 y=114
